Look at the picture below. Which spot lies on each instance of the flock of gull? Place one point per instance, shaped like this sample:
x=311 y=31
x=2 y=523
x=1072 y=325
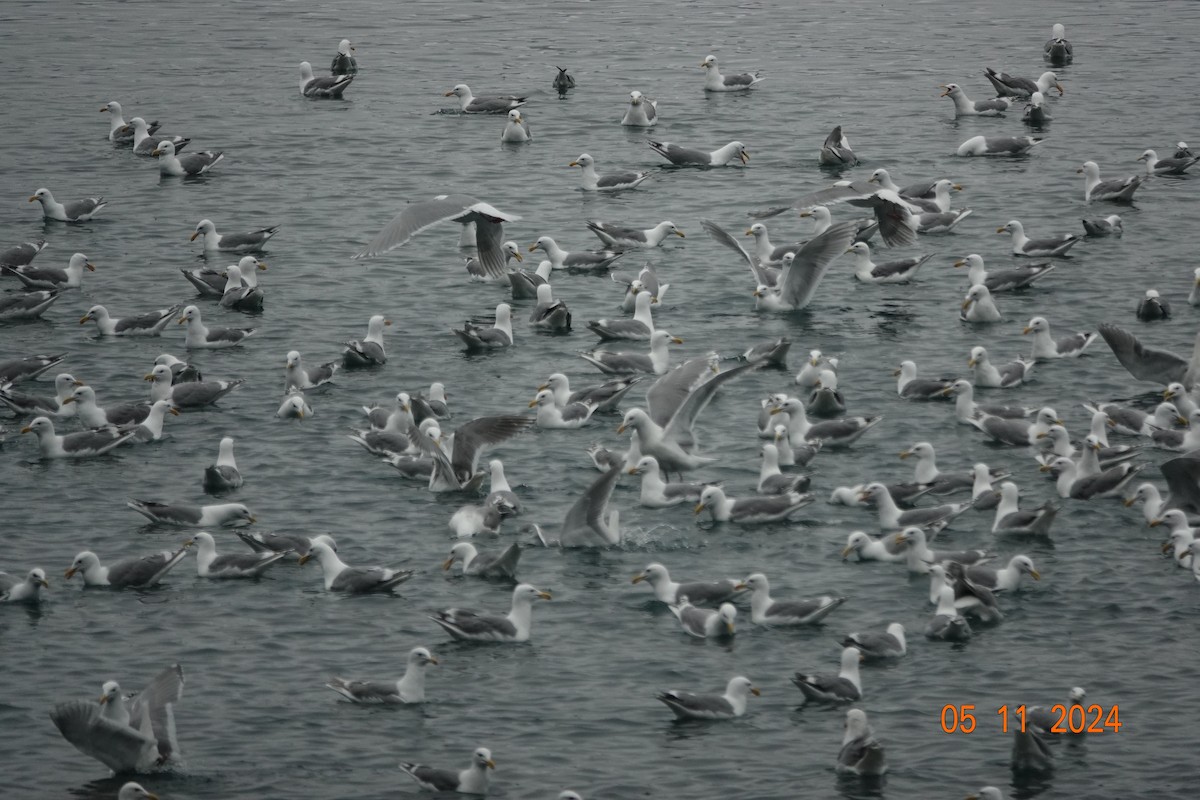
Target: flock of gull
x=969 y=589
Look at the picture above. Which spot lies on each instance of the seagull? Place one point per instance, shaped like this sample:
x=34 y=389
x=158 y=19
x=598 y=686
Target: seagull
x=1035 y=112
x=129 y=573
x=1012 y=519
x=409 y=689
x=463 y=209
x=889 y=644
x=606 y=396
x=28 y=590
x=301 y=377
x=1152 y=307
x=53 y=278
x=711 y=706
x=282 y=542
x=479 y=626
x=1118 y=190
x=344 y=63
x=472 y=780
x=861 y=754
x=845 y=687
x=1103 y=226
x=673 y=593
x=687 y=156
x=332 y=86
x=621 y=363
x=1013 y=86
x=144 y=143
x=189 y=394
x=656 y=492
x=28 y=305
x=1047 y=347
x=1005 y=280
x=642 y=111
x=803 y=272
x=1166 y=166
x=83 y=444
x=223 y=476
x=192 y=516
x=70 y=211
x=368 y=351
x=239 y=565
x=190 y=165
x=772 y=481
x=199 y=336
x=750 y=510
x=340 y=577
x=765 y=610
x=704 y=623
x=479 y=339
x=562 y=259
x=23 y=404
x=1057 y=51
x=885 y=548
x=898 y=271
x=1024 y=246
x=978 y=306
x=1006 y=376
x=997 y=145
x=151 y=323
x=119 y=132
x=251 y=241
x=21 y=254
x=947 y=623
x=891 y=517
x=294 y=406
x=609 y=182
x=470 y=104
x=714 y=81
x=835 y=150
x=910 y=387
x=832 y=433
x=493 y=566
x=966 y=107
x=623 y=237
x=895 y=216
x=456 y=465
x=1151 y=363
x=93 y=416
x=552 y=416
x=516 y=129
x=28 y=368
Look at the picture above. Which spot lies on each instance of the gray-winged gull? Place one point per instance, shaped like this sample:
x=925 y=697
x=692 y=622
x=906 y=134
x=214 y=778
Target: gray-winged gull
x=189 y=165
x=580 y=259
x=563 y=82
x=898 y=271
x=493 y=566
x=772 y=480
x=23 y=404
x=1151 y=363
x=1011 y=518
x=119 y=131
x=861 y=753
x=551 y=416
x=1035 y=114
x=714 y=81
x=131 y=735
x=471 y=520
x=655 y=492
x=1005 y=280
x=732 y=703
x=21 y=254
x=23 y=590
x=765 y=610
x=885 y=548
x=750 y=510
x=28 y=305
x=608 y=182
x=704 y=623
x=299 y=376
x=200 y=336
x=1109 y=483
x=251 y=241
x=456 y=461
x=468 y=103
x=144 y=143
x=1153 y=307
x=1166 y=166
x=895 y=217
x=910 y=387
x=93 y=416
x=1104 y=226
x=1006 y=578
x=83 y=444
x=550 y=314
x=966 y=107
x=138 y=572
x=69 y=277
x=343 y=63
x=889 y=644
x=192 y=516
x=487 y=221
x=831 y=433
x=236 y=565
x=947 y=624
x=409 y=689
x=802 y=273
x=241 y=291
x=997 y=145
x=622 y=237
x=891 y=517
x=71 y=211
x=472 y=780
x=606 y=396
x=516 y=128
x=1014 y=86
x=696 y=592
x=282 y=542
x=1118 y=190
x=135 y=791
x=223 y=475
x=656 y=362
x=150 y=323
x=340 y=577
x=689 y=156
x=1005 y=376
x=190 y=394
x=1046 y=346
x=1057 y=51
x=835 y=150
x=1022 y=245
x=324 y=86
x=844 y=687
x=481 y=626
x=481 y=339
x=639 y=328
x=28 y=367
x=642 y=111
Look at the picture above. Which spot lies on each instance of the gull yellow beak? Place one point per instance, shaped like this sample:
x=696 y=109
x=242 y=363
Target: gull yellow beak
x=1037 y=576
x=447 y=564
x=181 y=320
x=304 y=559
x=699 y=507
x=1047 y=468
x=147 y=377
x=520 y=258
x=192 y=238
x=45 y=584
x=1078 y=171
x=1000 y=230
x=174 y=411
x=532 y=403
x=84 y=318
x=262 y=265
x=1025 y=331
x=1042 y=435
x=491 y=764
x=949 y=390
x=740 y=587
x=103 y=110
x=633 y=471
x=156 y=152
x=901 y=538
x=943 y=94
x=78 y=383
x=757 y=293
x=967 y=304
x=744 y=156
x=1168 y=394
x=754 y=691
x=544 y=595
x=775 y=411
x=971 y=362
x=641 y=576
x=960 y=263
x=1060 y=89
x=449 y=94
x=729 y=628
x=26 y=429
x=680 y=234
x=543 y=387
x=1166 y=547
x=68 y=400
x=895 y=372
x=958 y=187
x=433 y=660
x=1154 y=523
x=676 y=340
x=621 y=428
x=533 y=247
x=34 y=197
x=905 y=453
x=90 y=266
x=847 y=551
x=70 y=573
x=573 y=164
x=1129 y=501
x=103 y=699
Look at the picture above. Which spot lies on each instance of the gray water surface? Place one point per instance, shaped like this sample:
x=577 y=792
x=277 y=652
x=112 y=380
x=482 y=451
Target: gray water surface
x=574 y=707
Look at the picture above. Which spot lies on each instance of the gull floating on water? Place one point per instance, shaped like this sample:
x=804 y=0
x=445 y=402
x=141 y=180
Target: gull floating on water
x=1014 y=86
x=479 y=626
x=190 y=165
x=472 y=780
x=470 y=104
x=409 y=689
x=642 y=111
x=1022 y=245
x=687 y=705
x=70 y=211
x=331 y=86
x=714 y=81
x=138 y=572
x=343 y=63
x=1118 y=190
x=687 y=156
x=516 y=129
x=250 y=241
x=966 y=107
